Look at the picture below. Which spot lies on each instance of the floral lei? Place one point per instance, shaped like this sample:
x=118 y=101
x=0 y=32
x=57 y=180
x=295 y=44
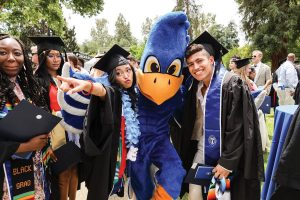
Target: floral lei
x=131 y=122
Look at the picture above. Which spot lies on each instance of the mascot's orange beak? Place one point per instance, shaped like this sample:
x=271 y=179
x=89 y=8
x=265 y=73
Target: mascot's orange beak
x=158 y=87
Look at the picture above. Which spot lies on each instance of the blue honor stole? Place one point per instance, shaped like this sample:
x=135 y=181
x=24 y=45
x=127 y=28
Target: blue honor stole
x=212 y=116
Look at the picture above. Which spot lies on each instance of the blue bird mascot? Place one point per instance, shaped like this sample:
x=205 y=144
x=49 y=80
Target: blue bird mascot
x=159 y=80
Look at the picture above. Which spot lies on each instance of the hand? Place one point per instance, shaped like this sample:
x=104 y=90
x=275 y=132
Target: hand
x=132 y=153
x=71 y=85
x=220 y=172
x=36 y=143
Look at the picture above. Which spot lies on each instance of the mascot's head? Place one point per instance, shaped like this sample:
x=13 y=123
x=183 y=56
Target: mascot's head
x=159 y=77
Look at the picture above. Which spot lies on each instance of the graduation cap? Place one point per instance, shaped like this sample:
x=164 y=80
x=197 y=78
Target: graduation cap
x=67 y=155
x=242 y=62
x=45 y=43
x=26 y=121
x=211 y=45
x=115 y=57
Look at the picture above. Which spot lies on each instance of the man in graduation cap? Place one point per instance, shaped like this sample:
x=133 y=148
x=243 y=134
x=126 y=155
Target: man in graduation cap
x=219 y=126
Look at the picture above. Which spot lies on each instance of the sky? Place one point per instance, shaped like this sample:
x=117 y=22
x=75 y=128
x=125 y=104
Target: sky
x=136 y=11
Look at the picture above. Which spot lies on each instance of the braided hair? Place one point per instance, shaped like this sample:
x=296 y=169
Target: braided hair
x=26 y=80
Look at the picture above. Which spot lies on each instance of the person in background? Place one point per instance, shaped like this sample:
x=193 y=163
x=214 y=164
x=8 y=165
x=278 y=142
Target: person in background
x=232 y=64
x=17 y=83
x=252 y=73
x=81 y=62
x=263 y=71
x=51 y=61
x=34 y=58
x=133 y=62
x=287 y=81
x=74 y=62
x=218 y=115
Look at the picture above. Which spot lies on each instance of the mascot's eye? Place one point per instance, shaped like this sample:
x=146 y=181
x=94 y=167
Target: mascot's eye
x=175 y=68
x=151 y=65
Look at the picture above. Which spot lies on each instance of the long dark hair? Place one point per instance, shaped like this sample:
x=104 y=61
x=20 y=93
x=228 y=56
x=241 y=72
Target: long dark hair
x=131 y=91
x=42 y=71
x=26 y=80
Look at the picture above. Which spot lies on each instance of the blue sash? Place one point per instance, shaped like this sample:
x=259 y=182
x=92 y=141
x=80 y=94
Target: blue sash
x=212 y=116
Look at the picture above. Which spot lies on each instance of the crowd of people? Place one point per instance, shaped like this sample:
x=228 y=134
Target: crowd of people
x=218 y=124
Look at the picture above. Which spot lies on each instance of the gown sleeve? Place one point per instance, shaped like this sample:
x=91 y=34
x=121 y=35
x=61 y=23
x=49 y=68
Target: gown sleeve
x=99 y=124
x=232 y=123
x=7 y=149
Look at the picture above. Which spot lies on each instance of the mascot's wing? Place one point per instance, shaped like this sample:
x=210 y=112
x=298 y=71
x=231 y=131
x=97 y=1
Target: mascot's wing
x=74 y=106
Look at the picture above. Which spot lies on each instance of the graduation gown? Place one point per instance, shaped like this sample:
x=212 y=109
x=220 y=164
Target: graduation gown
x=241 y=141
x=100 y=143
x=7 y=149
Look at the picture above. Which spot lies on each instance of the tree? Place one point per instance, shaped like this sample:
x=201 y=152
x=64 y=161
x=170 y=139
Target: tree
x=199 y=20
x=146 y=28
x=123 y=35
x=272 y=26
x=101 y=36
x=69 y=39
x=41 y=17
x=226 y=35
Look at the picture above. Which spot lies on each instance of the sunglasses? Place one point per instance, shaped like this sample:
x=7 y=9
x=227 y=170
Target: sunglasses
x=253 y=56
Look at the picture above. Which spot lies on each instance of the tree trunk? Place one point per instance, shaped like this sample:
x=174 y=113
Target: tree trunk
x=277 y=57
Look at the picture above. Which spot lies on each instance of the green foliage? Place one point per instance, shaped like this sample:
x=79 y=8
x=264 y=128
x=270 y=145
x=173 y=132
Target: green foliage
x=146 y=27
x=84 y=7
x=243 y=52
x=137 y=50
x=273 y=26
x=226 y=35
x=201 y=21
x=70 y=40
x=123 y=35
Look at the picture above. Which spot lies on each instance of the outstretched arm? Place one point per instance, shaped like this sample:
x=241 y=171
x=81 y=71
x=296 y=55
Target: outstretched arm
x=72 y=85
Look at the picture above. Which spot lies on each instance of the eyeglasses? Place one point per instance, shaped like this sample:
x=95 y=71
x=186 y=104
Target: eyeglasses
x=253 y=56
x=51 y=56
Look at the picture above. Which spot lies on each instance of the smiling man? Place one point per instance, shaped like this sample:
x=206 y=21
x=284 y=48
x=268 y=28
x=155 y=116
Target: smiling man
x=218 y=116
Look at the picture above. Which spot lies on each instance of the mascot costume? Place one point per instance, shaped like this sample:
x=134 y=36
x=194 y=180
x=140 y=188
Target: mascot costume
x=159 y=80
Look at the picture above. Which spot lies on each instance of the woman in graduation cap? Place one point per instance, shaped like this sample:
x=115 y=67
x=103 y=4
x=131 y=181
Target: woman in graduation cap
x=112 y=127
x=64 y=176
x=219 y=126
x=17 y=83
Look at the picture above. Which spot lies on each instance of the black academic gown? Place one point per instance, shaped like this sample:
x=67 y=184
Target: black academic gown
x=287 y=174
x=101 y=141
x=7 y=149
x=241 y=141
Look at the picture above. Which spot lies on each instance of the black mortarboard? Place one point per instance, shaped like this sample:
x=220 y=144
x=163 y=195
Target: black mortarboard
x=67 y=155
x=45 y=43
x=115 y=57
x=242 y=62
x=26 y=121
x=211 y=45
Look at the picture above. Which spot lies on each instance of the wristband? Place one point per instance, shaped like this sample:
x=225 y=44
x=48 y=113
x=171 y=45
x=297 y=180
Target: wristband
x=91 y=89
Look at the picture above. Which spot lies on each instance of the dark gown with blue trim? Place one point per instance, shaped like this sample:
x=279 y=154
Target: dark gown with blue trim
x=241 y=147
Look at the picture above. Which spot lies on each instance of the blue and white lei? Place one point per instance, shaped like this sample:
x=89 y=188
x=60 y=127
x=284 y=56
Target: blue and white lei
x=131 y=122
